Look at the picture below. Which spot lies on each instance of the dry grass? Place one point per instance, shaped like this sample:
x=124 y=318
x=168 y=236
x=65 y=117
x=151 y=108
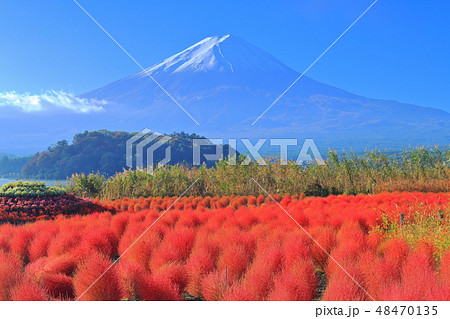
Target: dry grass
x=346 y=173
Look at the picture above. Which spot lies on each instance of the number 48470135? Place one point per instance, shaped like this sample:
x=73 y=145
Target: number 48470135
x=407 y=310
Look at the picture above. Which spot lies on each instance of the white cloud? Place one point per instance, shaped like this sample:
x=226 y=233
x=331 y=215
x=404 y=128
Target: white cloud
x=49 y=101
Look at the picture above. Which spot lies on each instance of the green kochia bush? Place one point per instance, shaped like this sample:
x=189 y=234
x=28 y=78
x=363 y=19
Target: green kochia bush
x=29 y=189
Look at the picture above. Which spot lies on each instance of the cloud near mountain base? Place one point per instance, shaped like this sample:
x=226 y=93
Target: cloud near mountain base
x=52 y=101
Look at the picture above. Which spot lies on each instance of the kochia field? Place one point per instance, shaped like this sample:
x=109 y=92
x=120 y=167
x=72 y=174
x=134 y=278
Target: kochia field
x=233 y=248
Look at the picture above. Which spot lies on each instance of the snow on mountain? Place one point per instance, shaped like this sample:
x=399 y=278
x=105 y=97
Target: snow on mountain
x=202 y=56
x=221 y=54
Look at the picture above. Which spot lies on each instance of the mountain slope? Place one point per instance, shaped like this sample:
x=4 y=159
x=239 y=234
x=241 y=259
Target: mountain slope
x=225 y=83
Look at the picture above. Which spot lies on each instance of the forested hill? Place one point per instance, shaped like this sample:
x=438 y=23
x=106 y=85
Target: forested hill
x=101 y=151
x=11 y=166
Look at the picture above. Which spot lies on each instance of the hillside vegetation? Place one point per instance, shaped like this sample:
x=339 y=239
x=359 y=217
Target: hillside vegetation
x=99 y=151
x=11 y=166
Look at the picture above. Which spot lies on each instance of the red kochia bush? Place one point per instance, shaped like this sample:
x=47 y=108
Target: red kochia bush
x=64 y=242
x=58 y=286
x=251 y=200
x=260 y=199
x=105 y=288
x=324 y=236
x=20 y=243
x=28 y=290
x=296 y=282
x=65 y=264
x=445 y=269
x=297 y=245
x=39 y=245
x=259 y=278
x=7 y=232
x=234 y=259
x=102 y=240
x=342 y=287
x=175 y=273
x=214 y=285
x=175 y=247
x=139 y=251
x=238 y=292
x=394 y=252
x=119 y=223
x=376 y=273
x=157 y=289
x=418 y=280
x=197 y=267
x=9 y=274
x=129 y=274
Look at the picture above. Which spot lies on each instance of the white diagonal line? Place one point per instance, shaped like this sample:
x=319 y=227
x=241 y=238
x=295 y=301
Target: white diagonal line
x=137 y=63
x=315 y=61
x=315 y=241
x=137 y=239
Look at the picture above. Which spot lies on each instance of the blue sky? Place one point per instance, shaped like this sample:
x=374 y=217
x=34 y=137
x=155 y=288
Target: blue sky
x=400 y=50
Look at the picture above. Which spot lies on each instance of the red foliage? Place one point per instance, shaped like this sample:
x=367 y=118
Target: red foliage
x=260 y=199
x=157 y=289
x=197 y=267
x=102 y=240
x=445 y=269
x=297 y=282
x=27 y=209
x=58 y=286
x=9 y=274
x=39 y=246
x=28 y=290
x=214 y=285
x=20 y=243
x=258 y=280
x=325 y=240
x=297 y=245
x=419 y=281
x=64 y=264
x=119 y=224
x=91 y=282
x=129 y=273
x=64 y=242
x=343 y=287
x=175 y=247
x=225 y=248
x=139 y=251
x=175 y=273
x=394 y=252
x=377 y=274
x=234 y=260
x=238 y=292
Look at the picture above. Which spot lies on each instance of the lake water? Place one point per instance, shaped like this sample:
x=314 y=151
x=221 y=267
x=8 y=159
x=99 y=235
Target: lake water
x=4 y=181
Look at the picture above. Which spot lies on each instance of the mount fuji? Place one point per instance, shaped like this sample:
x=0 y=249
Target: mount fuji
x=225 y=83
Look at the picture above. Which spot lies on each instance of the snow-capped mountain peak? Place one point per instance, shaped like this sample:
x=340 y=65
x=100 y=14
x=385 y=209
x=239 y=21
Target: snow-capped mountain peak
x=218 y=53
x=225 y=83
x=202 y=56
